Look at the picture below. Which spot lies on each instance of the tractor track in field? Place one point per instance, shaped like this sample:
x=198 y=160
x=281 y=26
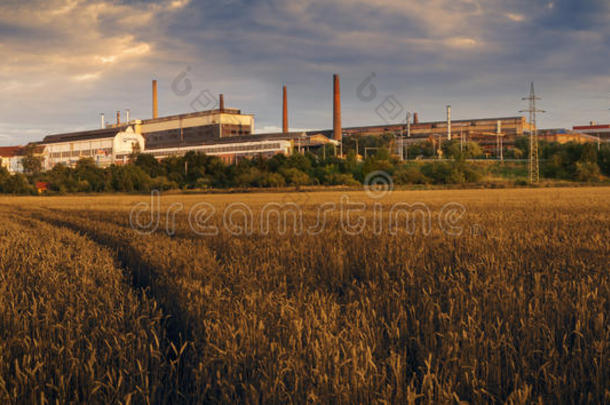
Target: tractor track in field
x=139 y=274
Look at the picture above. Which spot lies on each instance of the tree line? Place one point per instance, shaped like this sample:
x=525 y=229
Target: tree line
x=571 y=161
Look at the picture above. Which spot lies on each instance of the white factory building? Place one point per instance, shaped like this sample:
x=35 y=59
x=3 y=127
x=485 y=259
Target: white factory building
x=105 y=146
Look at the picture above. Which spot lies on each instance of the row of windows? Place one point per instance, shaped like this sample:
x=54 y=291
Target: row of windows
x=79 y=153
x=226 y=149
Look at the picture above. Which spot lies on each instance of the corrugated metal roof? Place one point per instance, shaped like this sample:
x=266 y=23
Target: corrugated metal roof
x=588 y=127
x=419 y=125
x=85 y=135
x=193 y=115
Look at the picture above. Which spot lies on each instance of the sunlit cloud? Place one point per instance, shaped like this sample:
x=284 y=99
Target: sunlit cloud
x=463 y=43
x=87 y=77
x=515 y=17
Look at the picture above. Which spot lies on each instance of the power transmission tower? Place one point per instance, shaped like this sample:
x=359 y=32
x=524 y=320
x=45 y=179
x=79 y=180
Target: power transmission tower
x=534 y=162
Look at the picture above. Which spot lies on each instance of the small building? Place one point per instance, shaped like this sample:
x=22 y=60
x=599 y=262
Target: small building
x=11 y=157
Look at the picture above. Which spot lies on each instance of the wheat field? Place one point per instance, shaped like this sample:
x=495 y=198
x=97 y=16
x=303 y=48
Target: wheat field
x=511 y=306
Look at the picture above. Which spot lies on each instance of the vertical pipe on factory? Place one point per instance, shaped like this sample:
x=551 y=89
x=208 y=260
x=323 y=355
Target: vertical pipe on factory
x=103 y=122
x=127 y=112
x=415 y=118
x=448 y=122
x=221 y=102
x=155 y=106
x=285 y=111
x=337 y=135
x=499 y=145
x=118 y=117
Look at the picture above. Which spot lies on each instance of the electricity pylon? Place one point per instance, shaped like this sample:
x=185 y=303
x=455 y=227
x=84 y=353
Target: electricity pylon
x=534 y=162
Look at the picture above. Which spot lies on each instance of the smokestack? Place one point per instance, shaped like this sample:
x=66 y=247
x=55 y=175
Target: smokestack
x=337 y=135
x=155 y=111
x=222 y=102
x=285 y=112
x=415 y=118
x=103 y=122
x=127 y=115
x=449 y=122
x=118 y=118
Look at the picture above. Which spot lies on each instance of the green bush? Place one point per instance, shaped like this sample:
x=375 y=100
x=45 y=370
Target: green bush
x=273 y=180
x=296 y=177
x=16 y=184
x=410 y=175
x=345 y=179
x=587 y=171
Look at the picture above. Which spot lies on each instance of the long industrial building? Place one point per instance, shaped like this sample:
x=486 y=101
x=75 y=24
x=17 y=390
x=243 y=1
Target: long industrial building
x=483 y=131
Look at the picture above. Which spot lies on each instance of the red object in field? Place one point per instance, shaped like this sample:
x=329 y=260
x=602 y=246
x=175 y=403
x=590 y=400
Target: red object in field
x=42 y=186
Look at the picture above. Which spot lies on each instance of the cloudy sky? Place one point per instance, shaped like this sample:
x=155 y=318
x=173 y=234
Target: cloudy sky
x=65 y=61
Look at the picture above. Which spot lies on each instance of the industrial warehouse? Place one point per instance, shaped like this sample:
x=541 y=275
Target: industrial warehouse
x=229 y=134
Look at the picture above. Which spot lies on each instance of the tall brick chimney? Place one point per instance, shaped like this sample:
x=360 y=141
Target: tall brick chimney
x=118 y=117
x=285 y=112
x=415 y=118
x=221 y=102
x=337 y=136
x=155 y=105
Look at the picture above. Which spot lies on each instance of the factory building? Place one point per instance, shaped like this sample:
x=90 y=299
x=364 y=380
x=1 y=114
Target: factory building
x=483 y=131
x=564 y=136
x=231 y=149
x=222 y=132
x=510 y=126
x=594 y=129
x=195 y=128
x=112 y=145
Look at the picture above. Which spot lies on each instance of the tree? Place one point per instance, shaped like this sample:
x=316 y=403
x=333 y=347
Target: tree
x=149 y=164
x=603 y=159
x=90 y=177
x=32 y=164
